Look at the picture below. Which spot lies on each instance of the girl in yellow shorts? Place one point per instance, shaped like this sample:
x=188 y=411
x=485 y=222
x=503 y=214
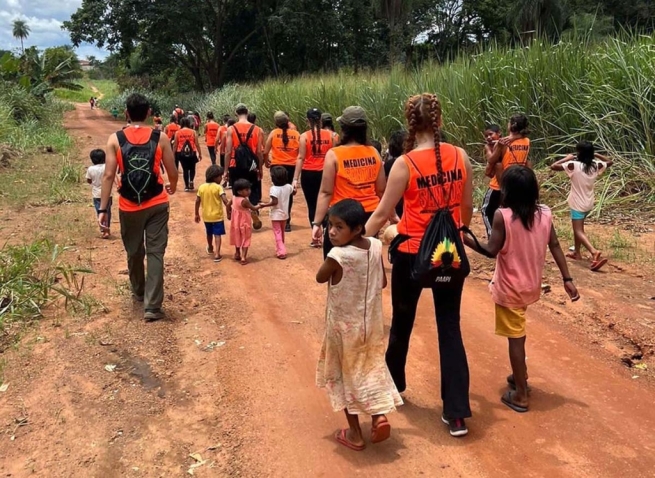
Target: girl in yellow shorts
x=521 y=230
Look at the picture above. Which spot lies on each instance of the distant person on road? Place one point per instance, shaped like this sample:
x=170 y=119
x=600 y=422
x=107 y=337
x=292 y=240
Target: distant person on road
x=114 y=112
x=211 y=198
x=219 y=144
x=138 y=153
x=314 y=145
x=583 y=169
x=351 y=366
x=94 y=175
x=245 y=138
x=171 y=128
x=352 y=171
x=522 y=229
x=508 y=151
x=282 y=147
x=211 y=135
x=187 y=152
x=92 y=102
x=414 y=177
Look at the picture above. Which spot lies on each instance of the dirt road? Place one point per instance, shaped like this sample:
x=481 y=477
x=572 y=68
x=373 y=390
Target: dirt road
x=231 y=376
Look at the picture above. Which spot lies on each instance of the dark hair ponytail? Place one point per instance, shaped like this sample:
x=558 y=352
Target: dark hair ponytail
x=314 y=118
x=518 y=123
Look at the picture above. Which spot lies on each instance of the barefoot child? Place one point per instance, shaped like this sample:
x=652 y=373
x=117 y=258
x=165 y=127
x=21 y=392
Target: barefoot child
x=583 y=169
x=241 y=222
x=508 y=151
x=94 y=176
x=522 y=228
x=491 y=201
x=351 y=365
x=211 y=198
x=280 y=194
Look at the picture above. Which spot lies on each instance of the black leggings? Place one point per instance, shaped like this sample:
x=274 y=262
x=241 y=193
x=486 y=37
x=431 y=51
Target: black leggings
x=310 y=181
x=188 y=169
x=212 y=153
x=405 y=294
x=489 y=207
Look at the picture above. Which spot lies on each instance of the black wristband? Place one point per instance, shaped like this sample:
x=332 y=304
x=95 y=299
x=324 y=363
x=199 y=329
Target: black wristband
x=316 y=224
x=102 y=211
x=567 y=279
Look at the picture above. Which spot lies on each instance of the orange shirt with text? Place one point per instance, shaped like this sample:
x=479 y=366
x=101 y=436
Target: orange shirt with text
x=358 y=168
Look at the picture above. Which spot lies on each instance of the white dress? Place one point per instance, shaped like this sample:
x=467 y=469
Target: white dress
x=351 y=366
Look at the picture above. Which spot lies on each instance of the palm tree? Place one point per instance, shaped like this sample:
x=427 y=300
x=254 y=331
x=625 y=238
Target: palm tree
x=21 y=31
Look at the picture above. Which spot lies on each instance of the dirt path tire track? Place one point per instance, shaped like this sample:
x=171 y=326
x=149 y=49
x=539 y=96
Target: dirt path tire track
x=255 y=395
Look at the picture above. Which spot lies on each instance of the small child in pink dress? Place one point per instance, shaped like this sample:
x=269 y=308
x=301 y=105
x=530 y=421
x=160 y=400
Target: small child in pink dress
x=520 y=233
x=241 y=223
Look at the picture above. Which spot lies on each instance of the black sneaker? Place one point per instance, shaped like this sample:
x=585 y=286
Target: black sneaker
x=152 y=315
x=287 y=228
x=457 y=426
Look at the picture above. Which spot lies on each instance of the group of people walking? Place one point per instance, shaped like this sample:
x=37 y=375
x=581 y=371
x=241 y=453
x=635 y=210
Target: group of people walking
x=351 y=195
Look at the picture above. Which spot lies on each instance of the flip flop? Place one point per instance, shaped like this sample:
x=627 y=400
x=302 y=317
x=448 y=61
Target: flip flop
x=281 y=257
x=218 y=259
x=244 y=262
x=342 y=437
x=598 y=264
x=572 y=255
x=208 y=250
x=512 y=383
x=508 y=399
x=381 y=432
x=237 y=257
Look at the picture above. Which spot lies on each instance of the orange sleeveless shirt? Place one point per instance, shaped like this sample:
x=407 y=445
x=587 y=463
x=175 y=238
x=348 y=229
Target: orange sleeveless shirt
x=184 y=135
x=357 y=171
x=141 y=135
x=221 y=137
x=517 y=153
x=211 y=132
x=315 y=162
x=282 y=155
x=171 y=129
x=419 y=203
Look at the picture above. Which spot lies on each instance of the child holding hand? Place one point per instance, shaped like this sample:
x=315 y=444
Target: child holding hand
x=280 y=194
x=351 y=365
x=211 y=198
x=522 y=228
x=241 y=223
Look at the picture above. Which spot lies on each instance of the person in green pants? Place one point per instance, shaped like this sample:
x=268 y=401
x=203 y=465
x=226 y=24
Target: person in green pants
x=138 y=152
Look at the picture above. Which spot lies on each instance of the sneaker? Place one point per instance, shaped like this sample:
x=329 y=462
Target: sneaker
x=186 y=190
x=191 y=186
x=457 y=426
x=153 y=314
x=287 y=228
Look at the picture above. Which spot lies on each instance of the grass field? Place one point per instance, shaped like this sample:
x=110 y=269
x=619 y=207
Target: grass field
x=102 y=89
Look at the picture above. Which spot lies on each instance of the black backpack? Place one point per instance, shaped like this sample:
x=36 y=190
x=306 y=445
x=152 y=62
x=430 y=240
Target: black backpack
x=244 y=158
x=139 y=180
x=441 y=259
x=187 y=150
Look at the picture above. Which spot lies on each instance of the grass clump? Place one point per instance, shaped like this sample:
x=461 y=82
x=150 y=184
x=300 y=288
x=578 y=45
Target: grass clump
x=33 y=277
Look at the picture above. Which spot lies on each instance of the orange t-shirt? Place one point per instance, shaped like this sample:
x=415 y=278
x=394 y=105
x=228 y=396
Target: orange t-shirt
x=282 y=155
x=211 y=132
x=222 y=129
x=241 y=129
x=315 y=162
x=419 y=204
x=358 y=168
x=516 y=153
x=141 y=135
x=171 y=129
x=184 y=135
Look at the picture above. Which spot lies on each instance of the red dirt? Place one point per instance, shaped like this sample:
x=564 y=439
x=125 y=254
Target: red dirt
x=251 y=397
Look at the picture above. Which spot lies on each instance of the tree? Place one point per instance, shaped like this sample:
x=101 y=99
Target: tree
x=538 y=17
x=21 y=31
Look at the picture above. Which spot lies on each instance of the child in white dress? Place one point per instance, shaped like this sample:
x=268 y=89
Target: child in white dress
x=351 y=366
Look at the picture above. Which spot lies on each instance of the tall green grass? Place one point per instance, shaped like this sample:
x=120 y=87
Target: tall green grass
x=603 y=92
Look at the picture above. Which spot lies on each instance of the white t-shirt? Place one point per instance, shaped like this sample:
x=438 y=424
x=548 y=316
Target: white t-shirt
x=95 y=173
x=581 y=197
x=280 y=212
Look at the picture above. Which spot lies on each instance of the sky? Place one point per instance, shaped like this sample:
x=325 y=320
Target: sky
x=44 y=18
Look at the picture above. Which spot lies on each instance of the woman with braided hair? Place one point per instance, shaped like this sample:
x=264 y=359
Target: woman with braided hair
x=314 y=145
x=281 y=149
x=431 y=176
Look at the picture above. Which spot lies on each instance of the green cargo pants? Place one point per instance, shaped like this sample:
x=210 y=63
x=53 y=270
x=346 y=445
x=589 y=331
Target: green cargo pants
x=145 y=233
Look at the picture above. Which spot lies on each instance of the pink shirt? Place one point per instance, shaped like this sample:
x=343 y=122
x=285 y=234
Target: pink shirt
x=520 y=263
x=581 y=197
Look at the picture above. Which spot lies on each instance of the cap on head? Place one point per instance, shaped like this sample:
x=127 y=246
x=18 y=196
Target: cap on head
x=314 y=114
x=326 y=117
x=353 y=116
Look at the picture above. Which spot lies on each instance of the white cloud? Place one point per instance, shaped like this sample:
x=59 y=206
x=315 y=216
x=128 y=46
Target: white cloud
x=45 y=18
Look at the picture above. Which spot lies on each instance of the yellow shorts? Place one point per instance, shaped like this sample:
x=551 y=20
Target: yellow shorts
x=510 y=323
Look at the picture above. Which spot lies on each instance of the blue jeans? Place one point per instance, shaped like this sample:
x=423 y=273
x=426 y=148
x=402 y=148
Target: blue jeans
x=96 y=204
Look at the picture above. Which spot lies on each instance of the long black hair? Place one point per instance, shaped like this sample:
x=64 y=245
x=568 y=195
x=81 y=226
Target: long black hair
x=315 y=124
x=586 y=155
x=518 y=124
x=357 y=134
x=520 y=193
